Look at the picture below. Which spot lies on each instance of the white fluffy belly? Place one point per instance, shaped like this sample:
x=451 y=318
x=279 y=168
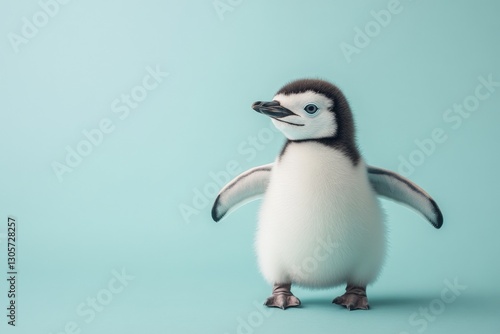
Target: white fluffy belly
x=320 y=223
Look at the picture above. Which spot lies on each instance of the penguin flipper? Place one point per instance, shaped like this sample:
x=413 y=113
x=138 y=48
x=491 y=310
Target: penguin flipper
x=246 y=187
x=400 y=189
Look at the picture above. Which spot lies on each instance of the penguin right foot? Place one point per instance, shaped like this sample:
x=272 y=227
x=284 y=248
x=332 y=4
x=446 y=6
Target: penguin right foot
x=353 y=299
x=282 y=297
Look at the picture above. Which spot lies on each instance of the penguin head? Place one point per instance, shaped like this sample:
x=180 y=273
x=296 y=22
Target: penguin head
x=309 y=109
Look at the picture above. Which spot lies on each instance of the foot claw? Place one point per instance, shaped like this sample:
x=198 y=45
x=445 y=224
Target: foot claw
x=354 y=299
x=282 y=298
x=282 y=301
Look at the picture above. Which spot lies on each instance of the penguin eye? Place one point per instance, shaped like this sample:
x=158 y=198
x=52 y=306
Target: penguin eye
x=311 y=108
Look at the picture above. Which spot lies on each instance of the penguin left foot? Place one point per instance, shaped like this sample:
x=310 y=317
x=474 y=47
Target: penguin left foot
x=282 y=297
x=353 y=299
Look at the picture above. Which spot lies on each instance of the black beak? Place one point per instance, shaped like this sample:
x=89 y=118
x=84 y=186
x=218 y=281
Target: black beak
x=272 y=109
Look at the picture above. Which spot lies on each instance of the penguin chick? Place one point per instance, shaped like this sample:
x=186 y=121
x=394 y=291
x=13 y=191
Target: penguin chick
x=320 y=224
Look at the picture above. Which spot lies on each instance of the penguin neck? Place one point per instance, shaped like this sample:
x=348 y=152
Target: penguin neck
x=348 y=147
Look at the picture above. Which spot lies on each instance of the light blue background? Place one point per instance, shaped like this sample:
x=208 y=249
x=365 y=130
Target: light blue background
x=120 y=208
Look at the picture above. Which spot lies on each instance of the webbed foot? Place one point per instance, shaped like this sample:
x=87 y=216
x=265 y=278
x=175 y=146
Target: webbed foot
x=282 y=297
x=353 y=299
